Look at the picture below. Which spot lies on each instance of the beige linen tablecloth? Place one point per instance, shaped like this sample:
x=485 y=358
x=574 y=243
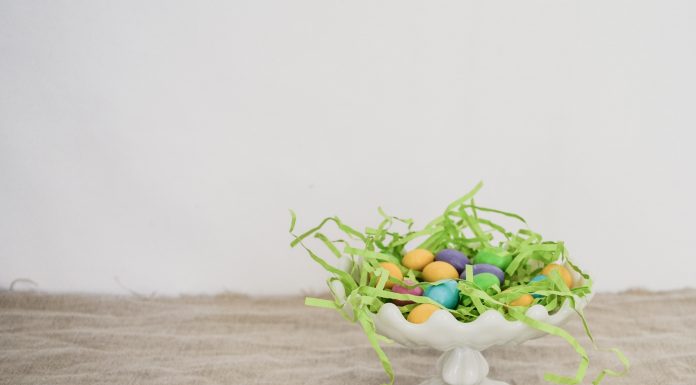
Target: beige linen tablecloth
x=230 y=339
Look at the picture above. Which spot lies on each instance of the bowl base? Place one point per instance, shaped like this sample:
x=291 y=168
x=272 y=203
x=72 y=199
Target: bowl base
x=462 y=366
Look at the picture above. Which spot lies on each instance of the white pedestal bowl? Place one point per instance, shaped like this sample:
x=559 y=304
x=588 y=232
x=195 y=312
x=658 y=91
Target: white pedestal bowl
x=462 y=343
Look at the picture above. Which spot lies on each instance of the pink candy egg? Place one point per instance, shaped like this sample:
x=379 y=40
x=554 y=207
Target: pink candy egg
x=404 y=290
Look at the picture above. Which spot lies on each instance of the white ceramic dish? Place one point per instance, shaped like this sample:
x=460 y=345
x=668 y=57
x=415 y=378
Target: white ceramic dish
x=462 y=343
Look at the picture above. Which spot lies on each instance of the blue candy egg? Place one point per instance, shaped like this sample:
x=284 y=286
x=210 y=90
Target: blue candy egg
x=444 y=292
x=538 y=278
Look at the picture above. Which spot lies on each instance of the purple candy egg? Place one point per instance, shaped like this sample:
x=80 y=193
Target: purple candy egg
x=404 y=290
x=486 y=268
x=454 y=257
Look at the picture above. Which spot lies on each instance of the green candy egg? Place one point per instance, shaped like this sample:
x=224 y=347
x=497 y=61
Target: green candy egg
x=493 y=257
x=486 y=280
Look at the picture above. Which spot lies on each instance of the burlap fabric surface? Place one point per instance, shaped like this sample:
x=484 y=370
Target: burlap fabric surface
x=230 y=339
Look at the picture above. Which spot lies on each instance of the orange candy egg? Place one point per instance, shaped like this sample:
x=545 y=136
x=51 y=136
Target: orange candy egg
x=394 y=272
x=439 y=270
x=523 y=300
x=565 y=274
x=421 y=313
x=417 y=259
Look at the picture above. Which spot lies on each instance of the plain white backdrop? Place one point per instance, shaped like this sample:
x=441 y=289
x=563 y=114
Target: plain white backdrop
x=160 y=144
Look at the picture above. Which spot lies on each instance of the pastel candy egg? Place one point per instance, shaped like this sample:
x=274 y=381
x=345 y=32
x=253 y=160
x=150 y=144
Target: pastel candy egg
x=486 y=268
x=445 y=293
x=405 y=290
x=523 y=300
x=394 y=272
x=486 y=281
x=422 y=313
x=493 y=257
x=454 y=257
x=417 y=259
x=537 y=279
x=565 y=274
x=438 y=270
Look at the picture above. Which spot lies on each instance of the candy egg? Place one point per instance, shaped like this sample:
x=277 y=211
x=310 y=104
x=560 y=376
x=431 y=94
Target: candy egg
x=523 y=300
x=486 y=268
x=537 y=279
x=422 y=313
x=493 y=257
x=454 y=257
x=565 y=274
x=394 y=272
x=486 y=280
x=417 y=259
x=439 y=270
x=445 y=293
x=404 y=290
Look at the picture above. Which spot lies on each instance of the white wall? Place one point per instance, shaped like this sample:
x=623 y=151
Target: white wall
x=162 y=142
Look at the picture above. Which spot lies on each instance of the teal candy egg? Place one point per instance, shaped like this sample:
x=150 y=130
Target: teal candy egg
x=538 y=278
x=445 y=293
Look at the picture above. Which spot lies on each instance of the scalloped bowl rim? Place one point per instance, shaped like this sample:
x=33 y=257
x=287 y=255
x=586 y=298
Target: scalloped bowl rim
x=442 y=331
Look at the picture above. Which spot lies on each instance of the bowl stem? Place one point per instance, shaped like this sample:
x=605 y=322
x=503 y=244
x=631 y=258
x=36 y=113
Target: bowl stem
x=462 y=366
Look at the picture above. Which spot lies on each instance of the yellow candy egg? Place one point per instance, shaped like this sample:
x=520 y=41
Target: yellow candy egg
x=417 y=259
x=394 y=272
x=421 y=313
x=523 y=300
x=565 y=274
x=439 y=270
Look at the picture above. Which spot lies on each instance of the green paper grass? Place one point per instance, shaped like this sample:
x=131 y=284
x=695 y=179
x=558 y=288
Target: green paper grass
x=467 y=227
